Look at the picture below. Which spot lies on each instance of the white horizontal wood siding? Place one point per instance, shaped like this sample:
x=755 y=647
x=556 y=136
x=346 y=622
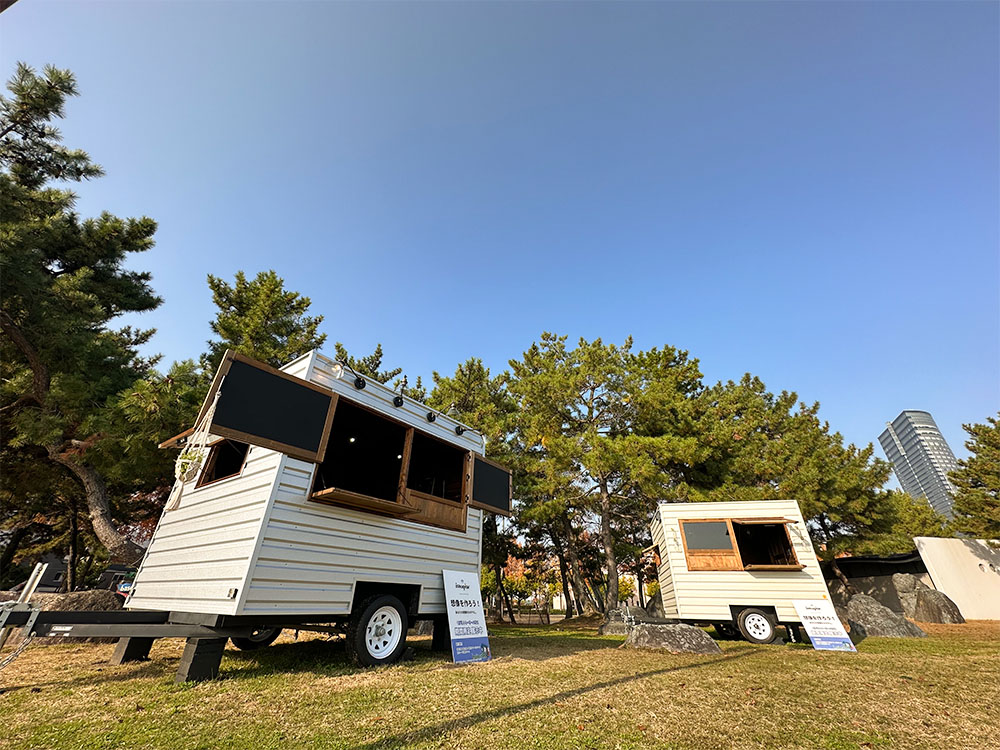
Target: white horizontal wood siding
x=260 y=535
x=664 y=575
x=312 y=555
x=201 y=551
x=706 y=596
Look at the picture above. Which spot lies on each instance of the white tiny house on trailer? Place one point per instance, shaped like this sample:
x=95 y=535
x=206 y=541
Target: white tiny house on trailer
x=736 y=565
x=323 y=499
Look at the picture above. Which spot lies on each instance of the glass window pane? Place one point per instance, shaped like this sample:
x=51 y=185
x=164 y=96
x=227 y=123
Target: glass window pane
x=703 y=535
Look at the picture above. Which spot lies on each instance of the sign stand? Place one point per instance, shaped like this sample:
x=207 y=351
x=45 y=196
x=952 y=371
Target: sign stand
x=466 y=620
x=822 y=625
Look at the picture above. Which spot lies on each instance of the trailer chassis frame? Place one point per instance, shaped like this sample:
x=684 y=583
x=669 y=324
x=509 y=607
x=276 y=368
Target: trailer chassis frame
x=136 y=630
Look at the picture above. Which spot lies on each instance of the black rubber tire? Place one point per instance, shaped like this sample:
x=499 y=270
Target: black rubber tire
x=261 y=638
x=726 y=631
x=357 y=630
x=754 y=634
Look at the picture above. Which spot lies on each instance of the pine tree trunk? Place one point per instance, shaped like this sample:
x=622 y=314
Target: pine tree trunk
x=503 y=594
x=564 y=576
x=608 y=539
x=851 y=591
x=583 y=605
x=99 y=505
x=638 y=586
x=13 y=543
x=74 y=536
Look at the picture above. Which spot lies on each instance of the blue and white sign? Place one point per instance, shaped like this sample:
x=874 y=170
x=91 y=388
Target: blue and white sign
x=466 y=619
x=822 y=625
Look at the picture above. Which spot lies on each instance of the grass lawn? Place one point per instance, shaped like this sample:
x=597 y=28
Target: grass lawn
x=546 y=688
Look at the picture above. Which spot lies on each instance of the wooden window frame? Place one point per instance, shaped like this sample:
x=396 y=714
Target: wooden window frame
x=784 y=522
x=407 y=456
x=210 y=464
x=708 y=557
x=409 y=504
x=706 y=565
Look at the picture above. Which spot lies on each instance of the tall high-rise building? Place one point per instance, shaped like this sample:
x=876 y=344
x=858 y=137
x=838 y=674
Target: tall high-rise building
x=921 y=458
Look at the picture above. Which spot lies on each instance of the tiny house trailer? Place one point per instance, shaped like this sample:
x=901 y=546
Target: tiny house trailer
x=736 y=565
x=315 y=500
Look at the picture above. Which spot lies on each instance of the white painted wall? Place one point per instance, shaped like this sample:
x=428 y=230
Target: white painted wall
x=967 y=571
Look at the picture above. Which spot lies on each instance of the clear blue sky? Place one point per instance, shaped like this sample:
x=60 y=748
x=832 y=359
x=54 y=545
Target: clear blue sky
x=808 y=192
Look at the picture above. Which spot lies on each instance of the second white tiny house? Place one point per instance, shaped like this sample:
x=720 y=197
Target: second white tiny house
x=323 y=498
x=736 y=565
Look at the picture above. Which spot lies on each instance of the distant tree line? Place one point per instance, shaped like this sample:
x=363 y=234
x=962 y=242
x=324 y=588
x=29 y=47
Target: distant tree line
x=596 y=433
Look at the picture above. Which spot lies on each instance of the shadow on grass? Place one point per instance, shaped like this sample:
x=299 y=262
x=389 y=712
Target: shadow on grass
x=432 y=732
x=108 y=674
x=330 y=657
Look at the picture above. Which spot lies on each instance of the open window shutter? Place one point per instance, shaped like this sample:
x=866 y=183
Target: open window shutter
x=491 y=487
x=262 y=406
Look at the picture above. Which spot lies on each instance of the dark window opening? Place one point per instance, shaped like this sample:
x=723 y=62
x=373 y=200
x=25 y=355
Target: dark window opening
x=364 y=454
x=707 y=535
x=225 y=460
x=764 y=544
x=436 y=468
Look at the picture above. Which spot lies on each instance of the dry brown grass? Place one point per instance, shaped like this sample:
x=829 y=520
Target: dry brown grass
x=546 y=688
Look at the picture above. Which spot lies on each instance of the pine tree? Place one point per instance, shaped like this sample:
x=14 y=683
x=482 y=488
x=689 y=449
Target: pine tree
x=64 y=281
x=977 y=500
x=260 y=319
x=370 y=366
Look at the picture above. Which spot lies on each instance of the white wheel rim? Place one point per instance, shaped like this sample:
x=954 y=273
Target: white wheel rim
x=385 y=628
x=758 y=626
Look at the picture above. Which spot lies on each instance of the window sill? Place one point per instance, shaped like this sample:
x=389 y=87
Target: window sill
x=335 y=496
x=774 y=567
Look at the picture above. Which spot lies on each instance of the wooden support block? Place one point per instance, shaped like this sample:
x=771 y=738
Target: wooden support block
x=131 y=649
x=441 y=639
x=201 y=659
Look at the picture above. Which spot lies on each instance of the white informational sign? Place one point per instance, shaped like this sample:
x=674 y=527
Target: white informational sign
x=822 y=625
x=466 y=619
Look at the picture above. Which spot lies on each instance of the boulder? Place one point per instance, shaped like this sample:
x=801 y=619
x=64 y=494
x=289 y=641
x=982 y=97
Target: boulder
x=616 y=621
x=935 y=606
x=654 y=607
x=878 y=620
x=613 y=627
x=907 y=583
x=84 y=601
x=676 y=638
x=909 y=603
x=96 y=600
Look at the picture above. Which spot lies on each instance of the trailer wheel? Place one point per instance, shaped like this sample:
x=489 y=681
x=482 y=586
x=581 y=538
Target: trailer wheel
x=260 y=638
x=376 y=633
x=757 y=626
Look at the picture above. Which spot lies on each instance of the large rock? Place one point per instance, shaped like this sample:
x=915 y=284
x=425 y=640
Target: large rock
x=878 y=620
x=677 y=638
x=617 y=621
x=907 y=583
x=654 y=607
x=78 y=601
x=935 y=606
x=613 y=627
